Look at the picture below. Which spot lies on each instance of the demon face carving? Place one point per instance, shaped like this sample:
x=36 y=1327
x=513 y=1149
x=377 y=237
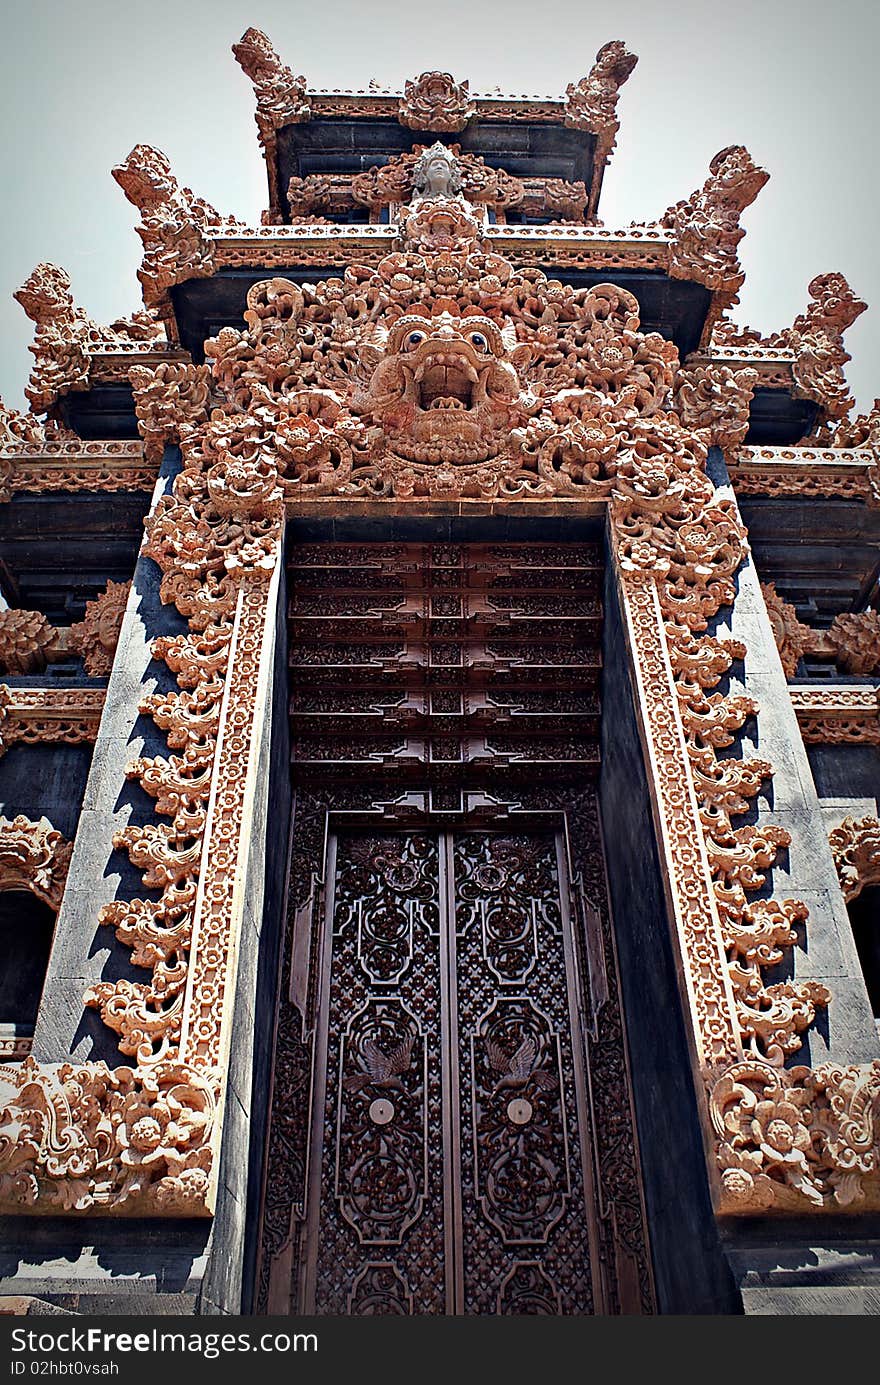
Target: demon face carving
x=444 y=388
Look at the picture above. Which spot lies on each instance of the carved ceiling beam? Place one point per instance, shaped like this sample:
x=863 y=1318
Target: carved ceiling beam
x=838 y=714
x=49 y=716
x=38 y=459
x=855 y=846
x=838 y=473
x=313 y=198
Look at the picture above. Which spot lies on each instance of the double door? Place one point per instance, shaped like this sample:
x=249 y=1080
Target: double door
x=449 y=1164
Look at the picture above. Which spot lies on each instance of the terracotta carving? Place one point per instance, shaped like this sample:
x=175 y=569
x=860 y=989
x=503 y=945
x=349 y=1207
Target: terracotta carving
x=281 y=97
x=82 y=1137
x=95 y=637
x=591 y=103
x=855 y=846
x=32 y=716
x=28 y=642
x=34 y=856
x=714 y=400
x=175 y=225
x=791 y=635
x=436 y=102
x=705 y=229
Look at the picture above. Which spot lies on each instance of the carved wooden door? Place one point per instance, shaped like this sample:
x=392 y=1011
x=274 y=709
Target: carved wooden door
x=449 y=1167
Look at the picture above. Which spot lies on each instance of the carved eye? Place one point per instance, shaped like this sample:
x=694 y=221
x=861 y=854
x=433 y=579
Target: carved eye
x=478 y=340
x=416 y=338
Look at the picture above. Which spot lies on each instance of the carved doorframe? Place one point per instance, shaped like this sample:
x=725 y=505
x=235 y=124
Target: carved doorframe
x=676 y=544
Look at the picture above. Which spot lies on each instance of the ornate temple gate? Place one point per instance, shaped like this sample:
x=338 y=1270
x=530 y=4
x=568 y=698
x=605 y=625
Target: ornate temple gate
x=447 y=1136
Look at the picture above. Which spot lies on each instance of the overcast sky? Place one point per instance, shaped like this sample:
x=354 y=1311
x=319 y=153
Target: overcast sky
x=795 y=82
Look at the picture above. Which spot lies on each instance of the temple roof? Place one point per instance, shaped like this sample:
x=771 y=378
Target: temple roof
x=304 y=130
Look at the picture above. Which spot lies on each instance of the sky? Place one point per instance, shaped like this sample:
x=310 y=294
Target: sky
x=795 y=82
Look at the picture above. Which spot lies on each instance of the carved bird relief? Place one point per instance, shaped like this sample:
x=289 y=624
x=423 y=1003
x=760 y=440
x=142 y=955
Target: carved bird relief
x=517 y=1071
x=382 y=1068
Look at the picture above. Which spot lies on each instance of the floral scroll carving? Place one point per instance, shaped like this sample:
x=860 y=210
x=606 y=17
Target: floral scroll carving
x=81 y=1137
x=855 y=846
x=436 y=388
x=714 y=401
x=169 y=401
x=281 y=97
x=35 y=716
x=34 y=856
x=796 y=1139
x=215 y=539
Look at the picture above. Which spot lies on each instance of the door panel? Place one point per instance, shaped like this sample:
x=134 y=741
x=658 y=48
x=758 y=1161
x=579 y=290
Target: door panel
x=449 y=1122
x=375 y=1220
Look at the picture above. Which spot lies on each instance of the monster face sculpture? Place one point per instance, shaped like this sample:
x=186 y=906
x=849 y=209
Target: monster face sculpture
x=445 y=388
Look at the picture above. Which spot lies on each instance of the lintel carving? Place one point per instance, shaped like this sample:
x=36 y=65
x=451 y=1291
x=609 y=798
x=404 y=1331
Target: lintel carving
x=35 y=716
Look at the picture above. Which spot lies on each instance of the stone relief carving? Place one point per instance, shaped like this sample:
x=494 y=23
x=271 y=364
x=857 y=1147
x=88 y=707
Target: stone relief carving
x=705 y=229
x=539 y=390
x=436 y=102
x=281 y=98
x=96 y=636
x=65 y=342
x=32 y=716
x=855 y=846
x=79 y=1137
x=852 y=640
x=816 y=339
x=34 y=856
x=842 y=714
x=714 y=401
x=28 y=641
x=176 y=226
x=414 y=380
x=591 y=103
x=168 y=401
x=791 y=635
